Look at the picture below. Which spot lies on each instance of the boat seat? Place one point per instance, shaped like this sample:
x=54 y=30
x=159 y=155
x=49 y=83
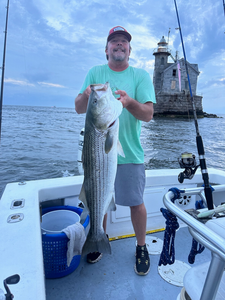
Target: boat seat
x=194 y=281
x=207 y=281
x=218 y=226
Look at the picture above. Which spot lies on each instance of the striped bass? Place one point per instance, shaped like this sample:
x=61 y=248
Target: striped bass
x=100 y=149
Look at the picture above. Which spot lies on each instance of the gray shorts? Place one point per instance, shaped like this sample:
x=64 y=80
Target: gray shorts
x=130 y=184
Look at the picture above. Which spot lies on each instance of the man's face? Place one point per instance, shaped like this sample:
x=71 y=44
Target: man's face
x=118 y=48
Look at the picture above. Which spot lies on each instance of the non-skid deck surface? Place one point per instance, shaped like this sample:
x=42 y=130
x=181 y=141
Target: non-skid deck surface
x=113 y=277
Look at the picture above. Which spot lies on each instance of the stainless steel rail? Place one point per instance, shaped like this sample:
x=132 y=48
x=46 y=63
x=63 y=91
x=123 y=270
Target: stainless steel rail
x=210 y=239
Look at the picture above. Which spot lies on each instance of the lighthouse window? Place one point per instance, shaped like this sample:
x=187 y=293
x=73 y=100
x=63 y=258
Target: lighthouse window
x=162 y=61
x=174 y=72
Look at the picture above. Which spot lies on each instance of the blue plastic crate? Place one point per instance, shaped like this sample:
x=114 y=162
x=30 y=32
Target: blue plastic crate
x=55 y=248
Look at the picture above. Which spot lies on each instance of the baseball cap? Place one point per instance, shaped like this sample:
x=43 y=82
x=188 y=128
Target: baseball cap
x=116 y=30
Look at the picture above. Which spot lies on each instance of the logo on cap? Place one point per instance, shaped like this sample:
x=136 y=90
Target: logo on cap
x=118 y=28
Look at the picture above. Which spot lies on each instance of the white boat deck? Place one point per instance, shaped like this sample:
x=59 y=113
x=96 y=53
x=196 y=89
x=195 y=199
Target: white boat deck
x=113 y=277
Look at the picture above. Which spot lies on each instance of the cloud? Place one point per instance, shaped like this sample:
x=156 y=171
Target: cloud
x=62 y=19
x=142 y=37
x=51 y=84
x=18 y=82
x=25 y=83
x=57 y=41
x=150 y=64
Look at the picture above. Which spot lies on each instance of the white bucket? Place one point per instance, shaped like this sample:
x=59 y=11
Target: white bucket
x=55 y=221
x=184 y=295
x=178 y=297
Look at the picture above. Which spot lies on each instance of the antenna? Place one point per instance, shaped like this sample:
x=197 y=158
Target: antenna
x=3 y=67
x=168 y=36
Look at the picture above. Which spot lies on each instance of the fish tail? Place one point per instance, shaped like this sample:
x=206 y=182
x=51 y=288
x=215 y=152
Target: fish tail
x=102 y=245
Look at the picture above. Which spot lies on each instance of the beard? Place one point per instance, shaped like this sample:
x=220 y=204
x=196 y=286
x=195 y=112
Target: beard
x=119 y=55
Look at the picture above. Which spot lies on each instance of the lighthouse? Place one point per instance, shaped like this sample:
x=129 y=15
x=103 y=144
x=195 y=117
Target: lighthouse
x=171 y=83
x=161 y=62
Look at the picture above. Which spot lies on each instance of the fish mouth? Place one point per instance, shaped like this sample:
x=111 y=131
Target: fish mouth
x=110 y=125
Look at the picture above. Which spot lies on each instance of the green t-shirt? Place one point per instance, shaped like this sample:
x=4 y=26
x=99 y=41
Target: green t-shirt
x=138 y=85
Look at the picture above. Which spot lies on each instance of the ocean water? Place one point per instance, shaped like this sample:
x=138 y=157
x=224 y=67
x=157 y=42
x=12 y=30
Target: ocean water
x=42 y=142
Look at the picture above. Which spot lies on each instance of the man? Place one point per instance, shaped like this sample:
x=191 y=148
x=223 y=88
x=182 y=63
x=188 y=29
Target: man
x=134 y=88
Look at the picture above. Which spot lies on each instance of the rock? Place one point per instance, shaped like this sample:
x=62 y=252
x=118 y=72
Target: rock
x=206 y=115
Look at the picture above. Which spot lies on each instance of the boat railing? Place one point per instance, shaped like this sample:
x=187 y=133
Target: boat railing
x=212 y=237
x=206 y=236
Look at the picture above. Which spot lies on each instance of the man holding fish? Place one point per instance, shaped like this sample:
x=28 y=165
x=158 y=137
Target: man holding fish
x=134 y=89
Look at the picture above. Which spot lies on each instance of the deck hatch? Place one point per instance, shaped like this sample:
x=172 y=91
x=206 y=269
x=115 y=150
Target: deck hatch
x=17 y=203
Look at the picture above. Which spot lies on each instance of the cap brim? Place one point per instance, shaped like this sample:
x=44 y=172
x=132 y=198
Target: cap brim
x=129 y=37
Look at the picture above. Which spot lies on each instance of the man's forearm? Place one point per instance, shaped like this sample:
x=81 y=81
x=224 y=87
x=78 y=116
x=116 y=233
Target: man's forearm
x=81 y=102
x=141 y=111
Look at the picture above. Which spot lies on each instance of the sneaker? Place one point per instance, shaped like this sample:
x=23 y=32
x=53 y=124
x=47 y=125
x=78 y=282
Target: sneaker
x=142 y=265
x=94 y=257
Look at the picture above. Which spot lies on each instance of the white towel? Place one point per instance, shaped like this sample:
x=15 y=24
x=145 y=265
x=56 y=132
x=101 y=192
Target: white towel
x=77 y=237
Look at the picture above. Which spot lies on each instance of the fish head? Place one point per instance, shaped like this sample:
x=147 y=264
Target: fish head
x=103 y=108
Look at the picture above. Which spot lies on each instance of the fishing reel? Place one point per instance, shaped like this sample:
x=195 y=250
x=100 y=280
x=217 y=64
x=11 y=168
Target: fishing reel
x=188 y=162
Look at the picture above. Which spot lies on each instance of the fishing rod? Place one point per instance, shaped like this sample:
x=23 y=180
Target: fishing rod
x=3 y=67
x=199 y=141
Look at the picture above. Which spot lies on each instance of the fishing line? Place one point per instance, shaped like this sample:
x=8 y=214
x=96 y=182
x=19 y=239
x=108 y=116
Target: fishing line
x=199 y=141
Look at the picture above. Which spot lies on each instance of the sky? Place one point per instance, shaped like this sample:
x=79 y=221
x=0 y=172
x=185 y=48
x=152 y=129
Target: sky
x=52 y=44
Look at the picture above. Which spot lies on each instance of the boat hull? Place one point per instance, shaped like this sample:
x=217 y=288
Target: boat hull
x=21 y=247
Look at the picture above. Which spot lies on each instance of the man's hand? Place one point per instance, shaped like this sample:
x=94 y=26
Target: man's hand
x=124 y=98
x=87 y=92
x=81 y=101
x=141 y=111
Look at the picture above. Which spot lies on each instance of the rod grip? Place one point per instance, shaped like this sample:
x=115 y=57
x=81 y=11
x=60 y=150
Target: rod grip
x=200 y=146
x=205 y=176
x=209 y=197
